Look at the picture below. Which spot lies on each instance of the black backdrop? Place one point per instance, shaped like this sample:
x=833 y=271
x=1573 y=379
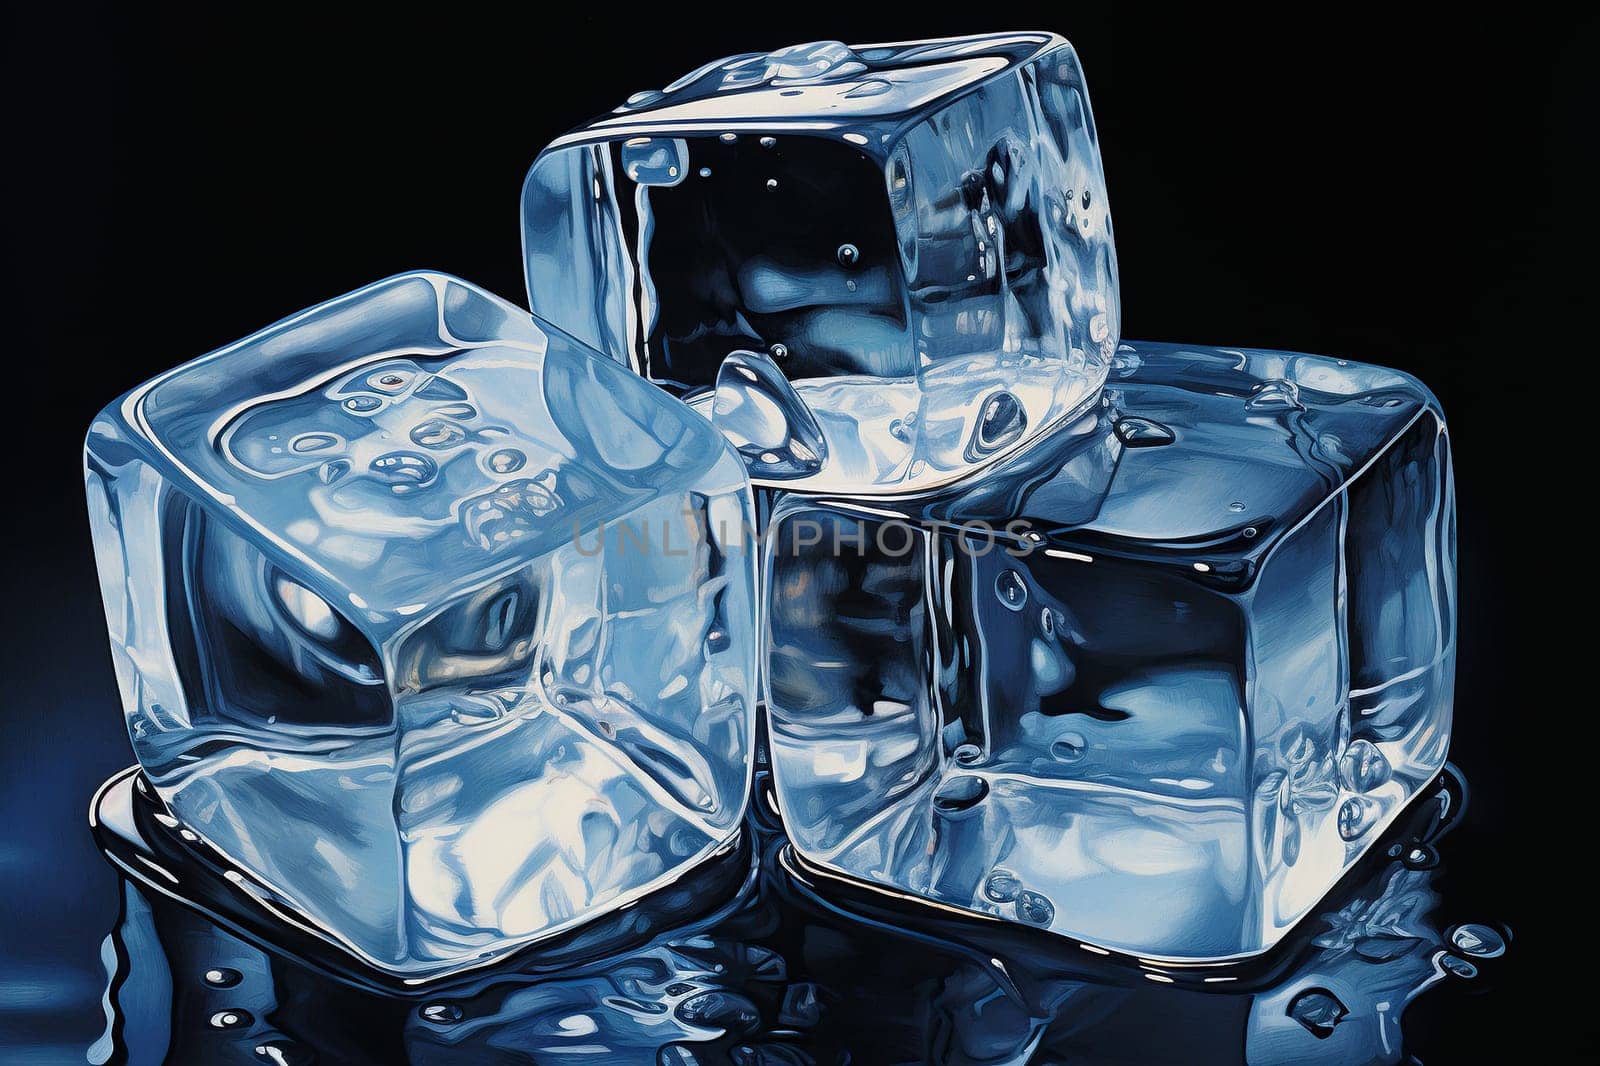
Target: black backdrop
x=1368 y=185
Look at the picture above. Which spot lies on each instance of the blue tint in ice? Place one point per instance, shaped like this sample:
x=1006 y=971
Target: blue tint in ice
x=1201 y=665
x=432 y=620
x=916 y=234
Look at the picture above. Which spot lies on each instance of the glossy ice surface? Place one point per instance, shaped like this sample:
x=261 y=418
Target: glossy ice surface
x=915 y=235
x=432 y=620
x=1208 y=656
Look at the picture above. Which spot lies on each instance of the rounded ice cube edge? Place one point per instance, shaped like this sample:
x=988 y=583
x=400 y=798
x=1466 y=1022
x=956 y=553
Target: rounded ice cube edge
x=137 y=835
x=423 y=327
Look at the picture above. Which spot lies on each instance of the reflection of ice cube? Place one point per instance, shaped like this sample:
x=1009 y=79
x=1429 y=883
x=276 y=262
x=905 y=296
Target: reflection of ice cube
x=1173 y=700
x=917 y=234
x=430 y=618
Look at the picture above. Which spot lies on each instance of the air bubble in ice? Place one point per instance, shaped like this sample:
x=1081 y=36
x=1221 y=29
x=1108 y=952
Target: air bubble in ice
x=1011 y=590
x=1478 y=940
x=313 y=442
x=1035 y=909
x=507 y=460
x=848 y=255
x=1002 y=886
x=1069 y=747
x=960 y=793
x=404 y=471
x=1456 y=966
x=437 y=433
x=1318 y=1010
x=362 y=405
x=222 y=977
x=1363 y=766
x=230 y=1019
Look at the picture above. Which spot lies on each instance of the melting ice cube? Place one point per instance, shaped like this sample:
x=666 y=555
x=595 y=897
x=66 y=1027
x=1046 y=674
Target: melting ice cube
x=916 y=234
x=433 y=620
x=1154 y=692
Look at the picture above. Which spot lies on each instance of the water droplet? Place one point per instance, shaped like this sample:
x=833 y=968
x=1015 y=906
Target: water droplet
x=230 y=1019
x=441 y=1013
x=772 y=183
x=1047 y=621
x=848 y=255
x=1456 y=966
x=1069 y=747
x=362 y=405
x=1001 y=424
x=333 y=471
x=506 y=461
x=720 y=1010
x=780 y=351
x=1363 y=767
x=1085 y=199
x=1419 y=857
x=313 y=442
x=437 y=433
x=284 y=1053
x=1002 y=886
x=869 y=87
x=1236 y=506
x=1035 y=909
x=966 y=754
x=1275 y=395
x=310 y=612
x=222 y=977
x=728 y=138
x=1011 y=589
x=1478 y=940
x=1248 y=532
x=1143 y=433
x=404 y=471
x=959 y=793
x=705 y=172
x=1355 y=817
x=769 y=142
x=1318 y=1010
x=643 y=97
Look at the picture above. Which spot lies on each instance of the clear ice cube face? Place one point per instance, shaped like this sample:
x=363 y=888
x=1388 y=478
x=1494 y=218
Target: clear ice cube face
x=916 y=236
x=434 y=621
x=1207 y=656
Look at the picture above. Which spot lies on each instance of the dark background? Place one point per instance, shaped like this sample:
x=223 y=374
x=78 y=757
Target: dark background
x=1366 y=185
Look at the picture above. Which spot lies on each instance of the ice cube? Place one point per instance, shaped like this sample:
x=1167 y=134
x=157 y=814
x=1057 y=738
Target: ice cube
x=916 y=234
x=433 y=620
x=1176 y=693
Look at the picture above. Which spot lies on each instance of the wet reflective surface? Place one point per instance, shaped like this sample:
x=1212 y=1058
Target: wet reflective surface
x=757 y=959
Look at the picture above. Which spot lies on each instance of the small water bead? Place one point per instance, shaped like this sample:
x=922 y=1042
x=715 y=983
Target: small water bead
x=1047 y=622
x=1011 y=590
x=1069 y=747
x=404 y=471
x=779 y=352
x=1035 y=909
x=441 y=1013
x=967 y=754
x=1085 y=199
x=459 y=411
x=1456 y=966
x=1002 y=886
x=222 y=977
x=727 y=138
x=1318 y=1010
x=720 y=1010
x=437 y=433
x=769 y=142
x=848 y=255
x=230 y=1019
x=1419 y=857
x=1236 y=506
x=507 y=461
x=362 y=405
x=284 y=1053
x=705 y=172
x=1356 y=816
x=332 y=471
x=313 y=442
x=772 y=183
x=1478 y=940
x=1363 y=767
x=1248 y=532
x=960 y=793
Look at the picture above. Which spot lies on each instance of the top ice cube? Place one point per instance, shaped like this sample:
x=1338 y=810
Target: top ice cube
x=916 y=235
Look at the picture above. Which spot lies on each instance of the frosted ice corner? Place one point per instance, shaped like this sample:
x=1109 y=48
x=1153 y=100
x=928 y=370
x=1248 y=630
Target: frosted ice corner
x=915 y=236
x=1206 y=658
x=382 y=642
